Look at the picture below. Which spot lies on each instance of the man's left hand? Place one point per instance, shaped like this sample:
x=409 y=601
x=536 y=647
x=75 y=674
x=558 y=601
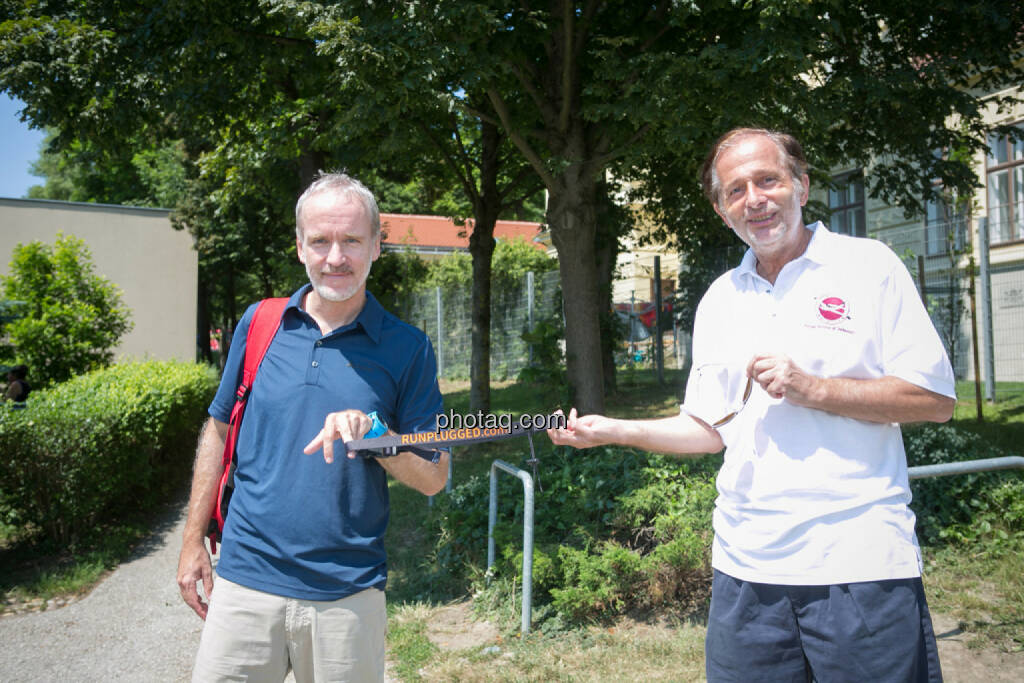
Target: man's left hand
x=347 y=425
x=780 y=377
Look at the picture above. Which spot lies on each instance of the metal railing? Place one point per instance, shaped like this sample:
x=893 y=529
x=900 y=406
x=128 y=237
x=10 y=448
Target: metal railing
x=492 y=517
x=966 y=467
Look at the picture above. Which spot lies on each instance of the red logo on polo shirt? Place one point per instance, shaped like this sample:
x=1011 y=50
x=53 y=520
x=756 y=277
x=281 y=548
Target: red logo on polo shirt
x=833 y=309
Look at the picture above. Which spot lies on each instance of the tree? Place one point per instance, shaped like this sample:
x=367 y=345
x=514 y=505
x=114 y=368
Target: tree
x=583 y=90
x=72 y=318
x=138 y=174
x=639 y=90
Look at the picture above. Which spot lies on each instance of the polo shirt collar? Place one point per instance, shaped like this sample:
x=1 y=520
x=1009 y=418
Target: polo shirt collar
x=816 y=251
x=371 y=318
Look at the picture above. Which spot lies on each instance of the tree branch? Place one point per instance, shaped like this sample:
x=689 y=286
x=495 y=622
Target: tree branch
x=465 y=179
x=568 y=59
x=601 y=160
x=512 y=185
x=531 y=155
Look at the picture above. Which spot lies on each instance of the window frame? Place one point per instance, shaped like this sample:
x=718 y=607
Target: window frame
x=841 y=183
x=1014 y=175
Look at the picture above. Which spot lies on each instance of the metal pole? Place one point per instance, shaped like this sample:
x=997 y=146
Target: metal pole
x=448 y=483
x=632 y=344
x=922 y=287
x=966 y=466
x=974 y=339
x=440 y=335
x=529 y=307
x=659 y=352
x=986 y=310
x=492 y=517
x=675 y=339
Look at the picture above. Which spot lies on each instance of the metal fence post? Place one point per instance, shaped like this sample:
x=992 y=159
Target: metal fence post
x=529 y=309
x=492 y=517
x=987 y=341
x=440 y=334
x=659 y=352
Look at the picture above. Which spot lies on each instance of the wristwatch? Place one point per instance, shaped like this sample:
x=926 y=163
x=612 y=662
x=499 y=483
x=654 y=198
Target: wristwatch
x=379 y=428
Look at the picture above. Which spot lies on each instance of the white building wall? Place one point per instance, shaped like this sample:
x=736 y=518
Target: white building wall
x=135 y=248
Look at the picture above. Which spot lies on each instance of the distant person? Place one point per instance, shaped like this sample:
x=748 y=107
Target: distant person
x=805 y=359
x=17 y=388
x=300 y=582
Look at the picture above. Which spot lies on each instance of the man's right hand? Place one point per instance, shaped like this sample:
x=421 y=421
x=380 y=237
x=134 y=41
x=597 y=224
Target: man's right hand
x=194 y=566
x=584 y=431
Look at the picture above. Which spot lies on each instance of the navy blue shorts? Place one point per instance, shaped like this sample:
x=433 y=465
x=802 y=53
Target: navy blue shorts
x=871 y=631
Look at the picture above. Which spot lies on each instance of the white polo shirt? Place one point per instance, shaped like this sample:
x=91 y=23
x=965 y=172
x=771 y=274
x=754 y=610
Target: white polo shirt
x=807 y=497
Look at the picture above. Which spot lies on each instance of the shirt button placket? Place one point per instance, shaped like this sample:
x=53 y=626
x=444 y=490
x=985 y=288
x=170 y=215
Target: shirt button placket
x=313 y=371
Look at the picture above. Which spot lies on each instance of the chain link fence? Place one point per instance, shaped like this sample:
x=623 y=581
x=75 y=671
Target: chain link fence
x=939 y=257
x=446 y=316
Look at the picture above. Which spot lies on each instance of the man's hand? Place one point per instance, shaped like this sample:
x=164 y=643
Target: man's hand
x=883 y=399
x=782 y=378
x=346 y=425
x=194 y=566
x=584 y=431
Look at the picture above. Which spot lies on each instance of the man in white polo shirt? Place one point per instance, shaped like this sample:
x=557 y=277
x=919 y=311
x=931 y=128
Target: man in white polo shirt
x=806 y=357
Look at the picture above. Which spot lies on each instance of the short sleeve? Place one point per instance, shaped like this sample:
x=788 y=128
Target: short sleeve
x=911 y=347
x=419 y=401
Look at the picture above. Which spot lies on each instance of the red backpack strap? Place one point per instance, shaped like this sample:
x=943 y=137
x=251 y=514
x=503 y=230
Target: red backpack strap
x=265 y=322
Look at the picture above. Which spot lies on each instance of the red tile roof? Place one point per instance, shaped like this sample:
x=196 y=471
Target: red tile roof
x=441 y=232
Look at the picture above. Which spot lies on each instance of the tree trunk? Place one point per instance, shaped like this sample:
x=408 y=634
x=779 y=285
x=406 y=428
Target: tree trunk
x=481 y=248
x=571 y=213
x=609 y=227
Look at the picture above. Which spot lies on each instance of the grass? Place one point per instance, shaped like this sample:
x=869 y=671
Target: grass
x=984 y=593
x=33 y=571
x=625 y=652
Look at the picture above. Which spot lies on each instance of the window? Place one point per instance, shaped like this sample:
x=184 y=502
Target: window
x=944 y=226
x=1005 y=167
x=846 y=202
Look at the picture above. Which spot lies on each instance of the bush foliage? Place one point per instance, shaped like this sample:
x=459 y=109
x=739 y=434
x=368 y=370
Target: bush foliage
x=617 y=530
x=984 y=509
x=70 y=319
x=614 y=530
x=112 y=440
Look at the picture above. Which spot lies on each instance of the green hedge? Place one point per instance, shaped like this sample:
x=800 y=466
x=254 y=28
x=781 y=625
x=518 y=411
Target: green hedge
x=101 y=444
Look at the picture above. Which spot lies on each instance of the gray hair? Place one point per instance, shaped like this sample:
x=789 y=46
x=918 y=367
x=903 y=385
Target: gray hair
x=790 y=151
x=344 y=186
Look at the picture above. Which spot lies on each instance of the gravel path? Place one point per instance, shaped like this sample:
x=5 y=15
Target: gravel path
x=132 y=627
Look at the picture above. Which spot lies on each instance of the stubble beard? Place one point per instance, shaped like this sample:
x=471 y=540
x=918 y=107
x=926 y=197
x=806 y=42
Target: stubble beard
x=327 y=293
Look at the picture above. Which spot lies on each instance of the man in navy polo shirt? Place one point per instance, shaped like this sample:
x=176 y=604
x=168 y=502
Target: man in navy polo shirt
x=300 y=581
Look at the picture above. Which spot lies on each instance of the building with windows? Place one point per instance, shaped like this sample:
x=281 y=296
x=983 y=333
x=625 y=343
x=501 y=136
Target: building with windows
x=938 y=246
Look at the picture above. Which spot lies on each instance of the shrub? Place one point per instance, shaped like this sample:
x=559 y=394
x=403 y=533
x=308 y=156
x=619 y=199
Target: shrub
x=984 y=508
x=101 y=444
x=71 y=318
x=614 y=530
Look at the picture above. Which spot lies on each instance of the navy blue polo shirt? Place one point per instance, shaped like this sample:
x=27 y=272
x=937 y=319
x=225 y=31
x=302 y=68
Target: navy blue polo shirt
x=299 y=527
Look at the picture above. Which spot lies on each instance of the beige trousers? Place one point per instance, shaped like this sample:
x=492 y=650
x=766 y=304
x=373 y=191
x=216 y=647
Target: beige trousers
x=254 y=636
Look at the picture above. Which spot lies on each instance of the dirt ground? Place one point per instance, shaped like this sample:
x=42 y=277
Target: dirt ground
x=454 y=628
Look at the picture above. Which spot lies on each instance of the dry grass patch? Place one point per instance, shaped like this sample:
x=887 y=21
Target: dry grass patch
x=627 y=651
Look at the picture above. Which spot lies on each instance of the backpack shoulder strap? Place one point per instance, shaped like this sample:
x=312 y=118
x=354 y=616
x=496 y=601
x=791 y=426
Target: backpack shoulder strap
x=264 y=325
x=262 y=328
